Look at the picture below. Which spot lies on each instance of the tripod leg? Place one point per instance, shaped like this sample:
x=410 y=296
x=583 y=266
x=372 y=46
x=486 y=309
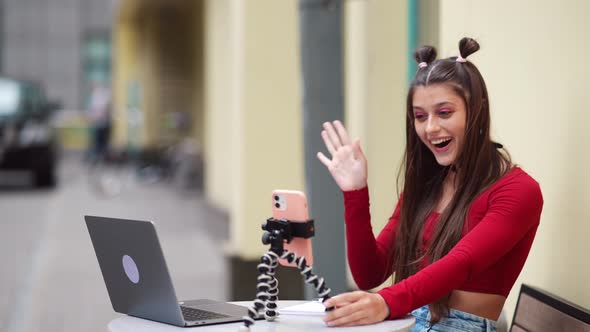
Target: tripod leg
x=306 y=271
x=273 y=291
x=265 y=283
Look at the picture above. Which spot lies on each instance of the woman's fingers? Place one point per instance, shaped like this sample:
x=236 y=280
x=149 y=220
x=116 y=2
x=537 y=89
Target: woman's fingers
x=343 y=304
x=361 y=321
x=356 y=308
x=343 y=299
x=357 y=152
x=332 y=135
x=323 y=159
x=328 y=142
x=347 y=319
x=335 y=136
x=342 y=133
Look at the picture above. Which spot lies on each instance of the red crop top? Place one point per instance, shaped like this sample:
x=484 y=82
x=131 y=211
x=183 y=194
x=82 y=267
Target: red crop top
x=499 y=231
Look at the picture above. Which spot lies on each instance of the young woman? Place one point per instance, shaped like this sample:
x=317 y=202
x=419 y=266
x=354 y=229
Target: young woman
x=465 y=220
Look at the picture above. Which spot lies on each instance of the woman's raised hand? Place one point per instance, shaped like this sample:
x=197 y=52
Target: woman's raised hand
x=348 y=165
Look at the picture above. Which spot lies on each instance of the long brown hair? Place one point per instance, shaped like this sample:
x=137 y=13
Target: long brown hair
x=479 y=164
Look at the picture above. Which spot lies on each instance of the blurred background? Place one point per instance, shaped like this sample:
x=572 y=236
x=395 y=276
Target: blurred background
x=190 y=112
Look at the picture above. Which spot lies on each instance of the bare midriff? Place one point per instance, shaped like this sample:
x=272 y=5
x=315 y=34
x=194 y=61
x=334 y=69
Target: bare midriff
x=479 y=304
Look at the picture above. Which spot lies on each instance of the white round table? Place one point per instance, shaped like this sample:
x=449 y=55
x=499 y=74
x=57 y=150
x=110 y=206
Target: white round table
x=284 y=323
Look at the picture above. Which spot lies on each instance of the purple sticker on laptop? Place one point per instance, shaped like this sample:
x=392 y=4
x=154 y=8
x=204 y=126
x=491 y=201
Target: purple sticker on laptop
x=130 y=269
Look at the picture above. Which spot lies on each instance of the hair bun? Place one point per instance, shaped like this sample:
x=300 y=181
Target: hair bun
x=468 y=46
x=425 y=54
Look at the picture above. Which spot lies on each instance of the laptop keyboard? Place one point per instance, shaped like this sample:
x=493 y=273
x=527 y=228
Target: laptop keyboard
x=192 y=314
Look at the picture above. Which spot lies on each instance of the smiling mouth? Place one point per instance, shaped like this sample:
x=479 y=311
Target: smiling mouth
x=442 y=144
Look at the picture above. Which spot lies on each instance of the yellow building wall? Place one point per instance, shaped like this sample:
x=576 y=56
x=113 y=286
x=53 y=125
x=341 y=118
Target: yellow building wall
x=254 y=142
x=125 y=37
x=533 y=58
x=217 y=141
x=272 y=141
x=157 y=71
x=198 y=90
x=376 y=71
x=386 y=103
x=134 y=70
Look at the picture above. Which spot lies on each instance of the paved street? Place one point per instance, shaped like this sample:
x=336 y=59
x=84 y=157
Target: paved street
x=49 y=275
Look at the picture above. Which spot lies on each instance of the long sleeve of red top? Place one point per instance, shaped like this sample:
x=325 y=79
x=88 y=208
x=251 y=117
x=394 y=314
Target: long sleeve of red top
x=502 y=233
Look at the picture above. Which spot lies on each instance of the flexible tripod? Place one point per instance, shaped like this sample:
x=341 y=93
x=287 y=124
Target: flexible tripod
x=267 y=288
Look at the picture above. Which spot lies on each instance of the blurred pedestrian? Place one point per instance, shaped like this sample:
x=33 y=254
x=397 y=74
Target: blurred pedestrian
x=99 y=115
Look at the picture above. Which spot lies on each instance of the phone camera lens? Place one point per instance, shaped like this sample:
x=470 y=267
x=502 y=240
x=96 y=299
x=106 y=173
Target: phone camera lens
x=276 y=197
x=277 y=205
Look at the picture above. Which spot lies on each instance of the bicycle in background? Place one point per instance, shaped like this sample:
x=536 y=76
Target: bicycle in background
x=177 y=164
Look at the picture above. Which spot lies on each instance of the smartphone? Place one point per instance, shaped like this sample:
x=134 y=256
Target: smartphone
x=292 y=205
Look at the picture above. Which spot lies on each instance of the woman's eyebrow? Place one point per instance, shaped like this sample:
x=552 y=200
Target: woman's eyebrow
x=437 y=105
x=444 y=103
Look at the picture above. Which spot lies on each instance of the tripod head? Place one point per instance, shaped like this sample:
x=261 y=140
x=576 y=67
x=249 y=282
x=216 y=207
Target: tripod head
x=277 y=231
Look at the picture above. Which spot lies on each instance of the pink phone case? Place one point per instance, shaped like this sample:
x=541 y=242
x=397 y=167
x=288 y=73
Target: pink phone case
x=292 y=205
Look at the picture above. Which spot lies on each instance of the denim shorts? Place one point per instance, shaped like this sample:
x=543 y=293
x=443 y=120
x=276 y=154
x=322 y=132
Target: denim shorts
x=457 y=321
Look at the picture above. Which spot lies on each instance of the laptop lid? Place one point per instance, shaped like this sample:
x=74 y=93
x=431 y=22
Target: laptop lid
x=136 y=276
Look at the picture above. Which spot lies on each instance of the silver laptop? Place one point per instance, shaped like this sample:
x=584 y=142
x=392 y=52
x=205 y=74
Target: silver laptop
x=137 y=279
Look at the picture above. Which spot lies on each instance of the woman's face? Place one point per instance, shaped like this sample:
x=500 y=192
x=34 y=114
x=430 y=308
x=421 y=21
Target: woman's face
x=439 y=119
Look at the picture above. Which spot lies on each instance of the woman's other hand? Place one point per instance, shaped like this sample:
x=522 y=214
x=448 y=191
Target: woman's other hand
x=348 y=165
x=356 y=308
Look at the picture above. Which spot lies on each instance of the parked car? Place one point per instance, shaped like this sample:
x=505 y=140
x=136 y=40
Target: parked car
x=28 y=140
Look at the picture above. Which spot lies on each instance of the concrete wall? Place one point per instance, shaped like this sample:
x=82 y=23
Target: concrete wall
x=532 y=57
